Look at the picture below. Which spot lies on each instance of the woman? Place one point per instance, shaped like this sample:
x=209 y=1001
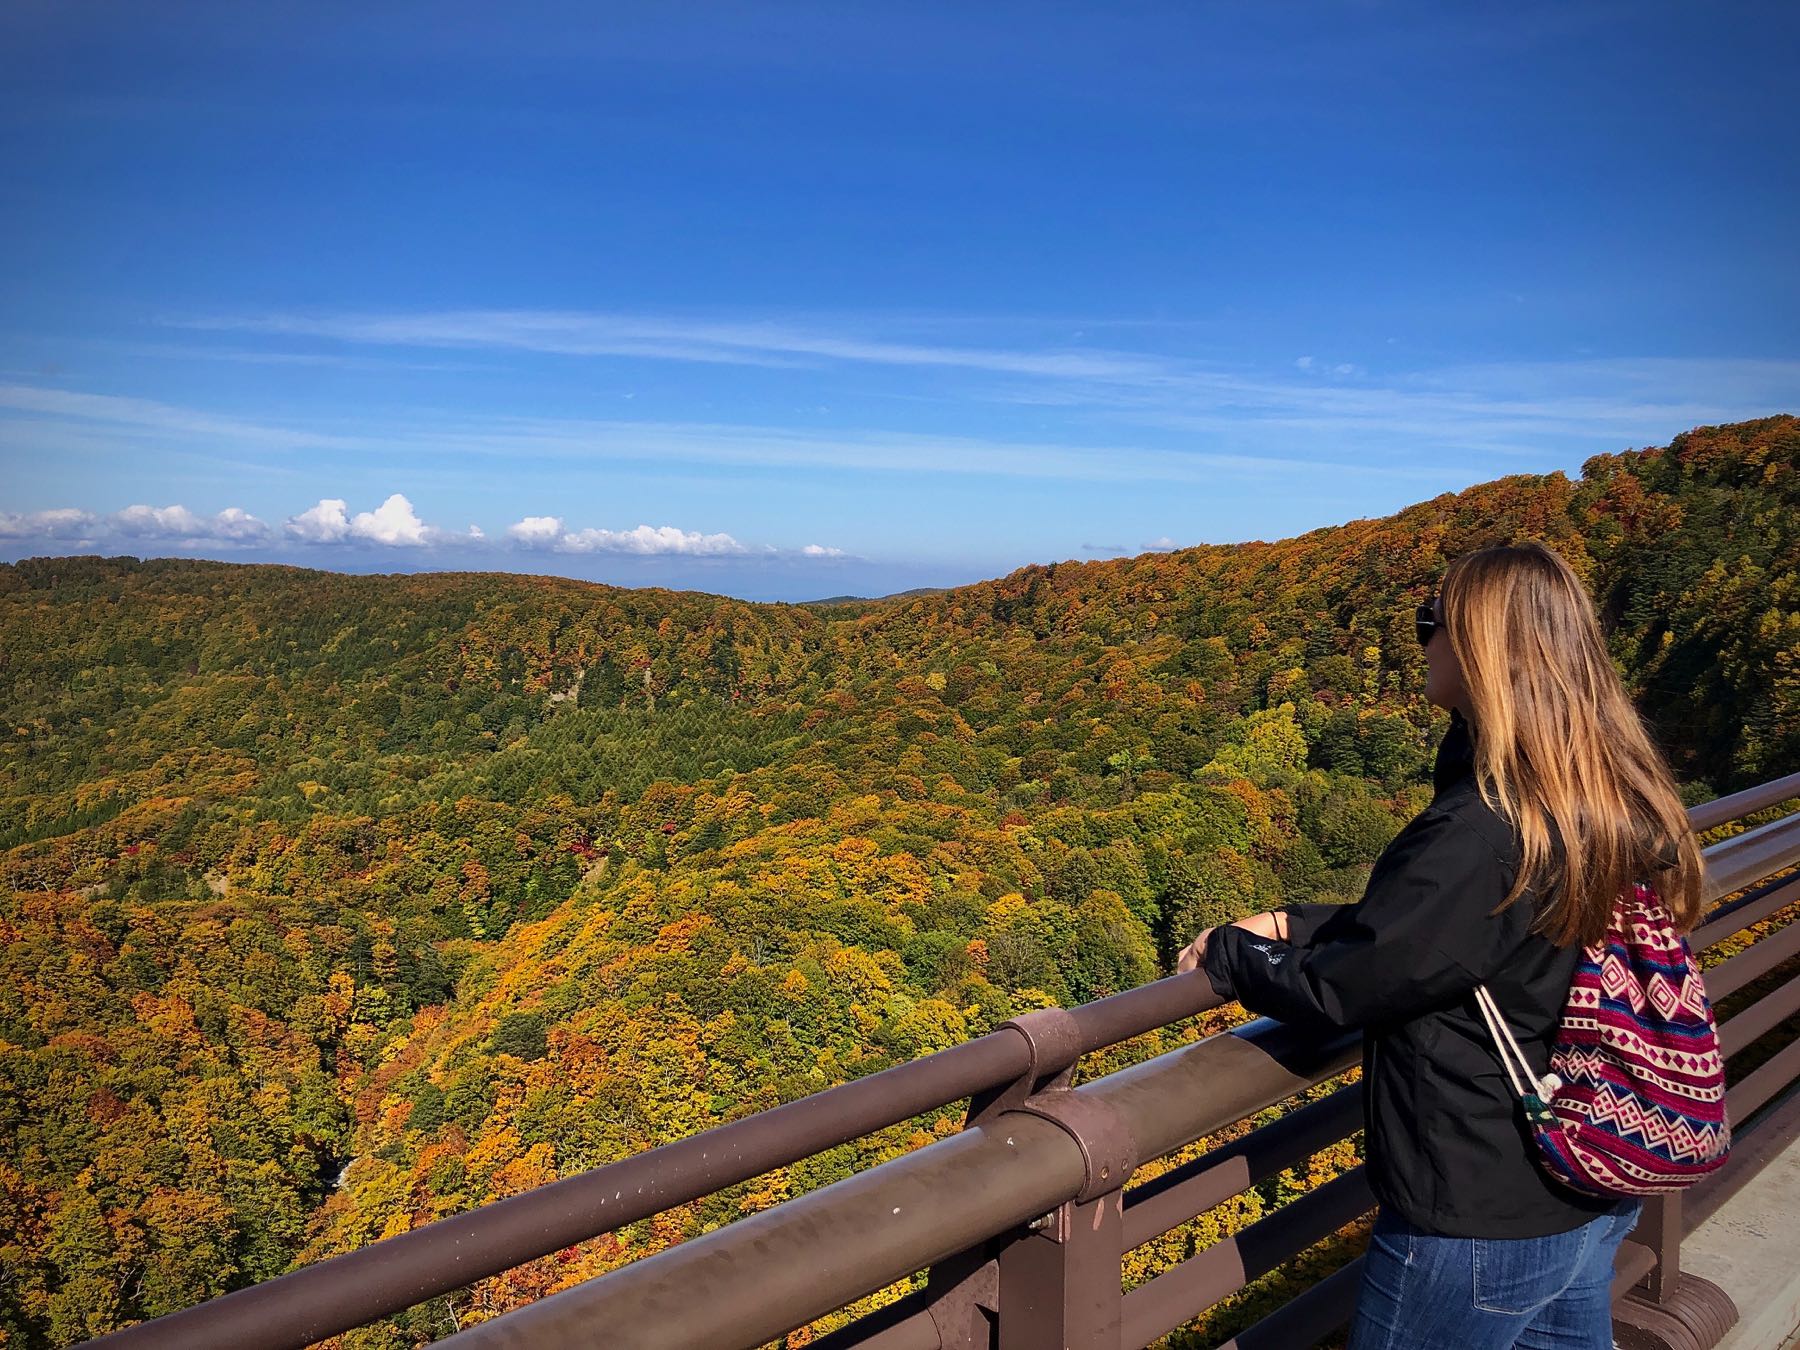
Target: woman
x=1549 y=799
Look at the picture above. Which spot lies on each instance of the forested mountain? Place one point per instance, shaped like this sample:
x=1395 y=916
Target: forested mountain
x=457 y=883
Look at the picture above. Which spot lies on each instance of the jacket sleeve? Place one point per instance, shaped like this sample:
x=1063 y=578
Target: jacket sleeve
x=1422 y=936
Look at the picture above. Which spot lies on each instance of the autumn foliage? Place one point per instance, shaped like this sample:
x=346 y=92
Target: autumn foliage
x=333 y=905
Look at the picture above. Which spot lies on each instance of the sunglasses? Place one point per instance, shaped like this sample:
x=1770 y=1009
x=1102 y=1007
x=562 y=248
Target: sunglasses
x=1426 y=622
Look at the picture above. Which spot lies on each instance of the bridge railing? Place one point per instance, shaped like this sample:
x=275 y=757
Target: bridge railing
x=1022 y=1221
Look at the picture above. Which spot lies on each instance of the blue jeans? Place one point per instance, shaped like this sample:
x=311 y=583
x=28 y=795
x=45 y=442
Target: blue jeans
x=1421 y=1292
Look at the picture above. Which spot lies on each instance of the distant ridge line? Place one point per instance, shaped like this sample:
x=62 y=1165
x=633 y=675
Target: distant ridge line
x=835 y=601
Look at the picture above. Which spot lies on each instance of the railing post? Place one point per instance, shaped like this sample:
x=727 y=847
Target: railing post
x=1059 y=1282
x=1659 y=1229
x=963 y=1292
x=1055 y=1283
x=963 y=1299
x=1668 y=1310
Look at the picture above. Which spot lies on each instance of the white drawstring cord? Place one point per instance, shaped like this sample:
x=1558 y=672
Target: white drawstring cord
x=1503 y=1039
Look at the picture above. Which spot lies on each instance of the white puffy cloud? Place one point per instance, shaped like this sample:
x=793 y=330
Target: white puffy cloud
x=157 y=521
x=236 y=523
x=326 y=523
x=173 y=524
x=233 y=525
x=548 y=532
x=394 y=522
x=61 y=523
x=650 y=539
x=537 y=531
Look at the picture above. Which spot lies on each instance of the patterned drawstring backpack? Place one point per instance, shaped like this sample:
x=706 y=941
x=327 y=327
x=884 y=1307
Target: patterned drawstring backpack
x=1634 y=1102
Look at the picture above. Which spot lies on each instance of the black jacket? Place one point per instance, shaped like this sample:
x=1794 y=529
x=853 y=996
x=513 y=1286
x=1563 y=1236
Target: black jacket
x=1446 y=1140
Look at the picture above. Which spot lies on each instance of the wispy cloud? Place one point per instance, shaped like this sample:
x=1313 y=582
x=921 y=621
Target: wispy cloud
x=571 y=333
x=1124 y=421
x=611 y=442
x=250 y=356
x=1287 y=407
x=602 y=442
x=145 y=416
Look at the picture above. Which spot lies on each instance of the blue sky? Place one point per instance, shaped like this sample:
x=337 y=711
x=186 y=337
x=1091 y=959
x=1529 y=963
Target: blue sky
x=786 y=301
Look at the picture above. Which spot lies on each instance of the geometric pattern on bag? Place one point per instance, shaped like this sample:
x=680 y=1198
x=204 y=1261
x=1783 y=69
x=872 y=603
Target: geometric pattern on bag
x=1634 y=1103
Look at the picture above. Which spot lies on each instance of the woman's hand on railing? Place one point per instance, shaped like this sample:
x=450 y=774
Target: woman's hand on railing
x=1192 y=954
x=1270 y=924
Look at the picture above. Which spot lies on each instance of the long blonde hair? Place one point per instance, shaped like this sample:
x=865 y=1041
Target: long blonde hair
x=1559 y=749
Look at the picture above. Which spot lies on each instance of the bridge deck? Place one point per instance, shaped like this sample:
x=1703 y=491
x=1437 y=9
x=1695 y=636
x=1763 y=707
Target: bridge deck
x=1751 y=1248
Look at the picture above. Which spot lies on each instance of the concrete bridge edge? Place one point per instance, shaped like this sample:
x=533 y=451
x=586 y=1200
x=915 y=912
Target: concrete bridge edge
x=1750 y=1248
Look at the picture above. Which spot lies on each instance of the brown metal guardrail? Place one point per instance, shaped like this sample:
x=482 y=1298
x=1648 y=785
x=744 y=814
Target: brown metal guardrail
x=1022 y=1220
